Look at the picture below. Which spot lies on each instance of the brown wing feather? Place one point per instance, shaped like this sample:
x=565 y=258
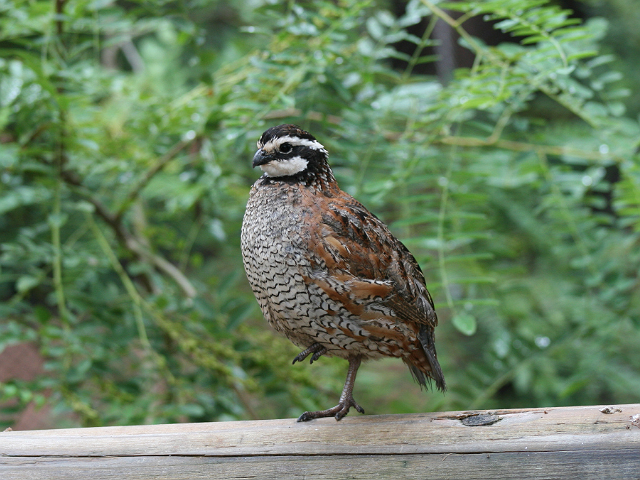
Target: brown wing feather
x=360 y=264
x=362 y=246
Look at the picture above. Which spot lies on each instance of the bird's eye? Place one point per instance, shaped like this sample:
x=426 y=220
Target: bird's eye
x=286 y=148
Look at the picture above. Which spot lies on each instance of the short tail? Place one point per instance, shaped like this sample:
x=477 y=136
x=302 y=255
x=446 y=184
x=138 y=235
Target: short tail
x=423 y=375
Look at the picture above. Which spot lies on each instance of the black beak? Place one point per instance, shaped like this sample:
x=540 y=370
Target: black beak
x=261 y=158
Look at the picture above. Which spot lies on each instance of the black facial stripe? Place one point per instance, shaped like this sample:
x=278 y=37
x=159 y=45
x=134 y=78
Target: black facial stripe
x=296 y=151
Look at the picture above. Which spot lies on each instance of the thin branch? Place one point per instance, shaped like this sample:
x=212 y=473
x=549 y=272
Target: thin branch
x=126 y=281
x=419 y=49
x=109 y=55
x=444 y=198
x=133 y=57
x=456 y=25
x=149 y=174
x=540 y=32
x=296 y=112
x=526 y=147
x=59 y=14
x=572 y=108
x=57 y=257
x=134 y=245
x=500 y=125
x=130 y=242
x=103 y=212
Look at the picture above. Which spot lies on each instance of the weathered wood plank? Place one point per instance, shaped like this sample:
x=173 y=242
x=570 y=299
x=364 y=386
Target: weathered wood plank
x=529 y=443
x=584 y=465
x=517 y=430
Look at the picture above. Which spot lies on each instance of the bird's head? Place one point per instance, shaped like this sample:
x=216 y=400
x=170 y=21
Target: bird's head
x=287 y=150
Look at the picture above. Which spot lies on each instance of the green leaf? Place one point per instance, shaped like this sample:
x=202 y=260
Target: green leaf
x=465 y=323
x=26 y=283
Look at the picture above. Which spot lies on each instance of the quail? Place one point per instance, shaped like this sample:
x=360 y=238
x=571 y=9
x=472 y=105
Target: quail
x=327 y=273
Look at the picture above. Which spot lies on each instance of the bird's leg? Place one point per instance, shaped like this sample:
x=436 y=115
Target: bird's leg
x=346 y=399
x=317 y=350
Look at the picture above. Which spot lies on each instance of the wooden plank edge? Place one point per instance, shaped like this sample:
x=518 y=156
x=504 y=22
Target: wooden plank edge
x=521 y=430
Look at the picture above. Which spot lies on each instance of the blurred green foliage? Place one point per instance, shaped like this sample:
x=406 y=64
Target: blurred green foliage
x=127 y=133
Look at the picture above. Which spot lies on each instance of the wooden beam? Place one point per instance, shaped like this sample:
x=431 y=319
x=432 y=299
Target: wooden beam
x=591 y=442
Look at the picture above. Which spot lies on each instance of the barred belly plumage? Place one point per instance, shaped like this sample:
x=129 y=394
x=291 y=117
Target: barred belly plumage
x=326 y=272
x=277 y=264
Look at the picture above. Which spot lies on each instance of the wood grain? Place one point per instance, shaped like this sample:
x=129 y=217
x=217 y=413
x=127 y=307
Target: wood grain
x=568 y=442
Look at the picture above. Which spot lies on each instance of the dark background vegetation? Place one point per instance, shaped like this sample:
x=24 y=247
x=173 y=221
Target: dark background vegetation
x=497 y=139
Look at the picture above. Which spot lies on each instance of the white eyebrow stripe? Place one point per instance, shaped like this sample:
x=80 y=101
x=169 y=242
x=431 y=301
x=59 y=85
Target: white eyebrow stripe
x=294 y=141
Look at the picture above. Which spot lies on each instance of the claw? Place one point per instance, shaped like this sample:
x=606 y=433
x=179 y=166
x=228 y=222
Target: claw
x=346 y=399
x=317 y=355
x=317 y=350
x=339 y=411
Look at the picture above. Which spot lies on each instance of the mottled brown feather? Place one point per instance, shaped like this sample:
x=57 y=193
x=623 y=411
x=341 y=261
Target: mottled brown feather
x=362 y=246
x=328 y=273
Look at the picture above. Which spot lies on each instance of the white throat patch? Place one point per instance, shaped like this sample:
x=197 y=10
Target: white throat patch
x=282 y=168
